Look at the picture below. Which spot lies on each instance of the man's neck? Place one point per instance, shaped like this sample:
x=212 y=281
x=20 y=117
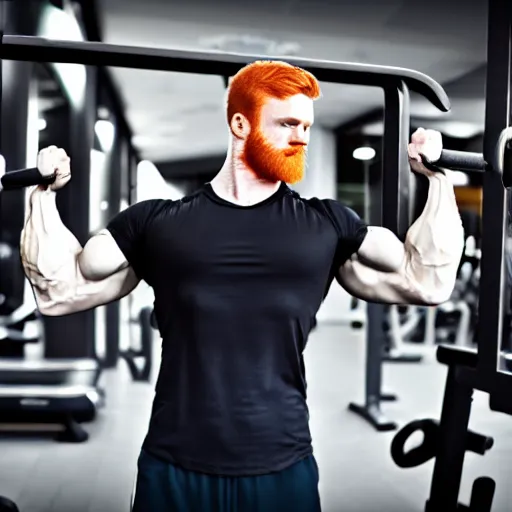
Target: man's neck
x=238 y=184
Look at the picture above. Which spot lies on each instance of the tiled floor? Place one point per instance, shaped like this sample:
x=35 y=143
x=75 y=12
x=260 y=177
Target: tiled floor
x=356 y=470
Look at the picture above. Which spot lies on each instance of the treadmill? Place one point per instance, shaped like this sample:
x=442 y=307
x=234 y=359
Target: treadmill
x=47 y=391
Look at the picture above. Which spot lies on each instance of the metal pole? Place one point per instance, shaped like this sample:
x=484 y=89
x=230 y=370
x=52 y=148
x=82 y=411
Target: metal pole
x=497 y=117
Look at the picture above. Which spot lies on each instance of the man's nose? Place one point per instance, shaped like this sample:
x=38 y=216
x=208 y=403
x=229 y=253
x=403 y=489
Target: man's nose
x=300 y=136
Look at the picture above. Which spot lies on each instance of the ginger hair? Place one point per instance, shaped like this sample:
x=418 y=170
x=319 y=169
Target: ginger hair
x=255 y=83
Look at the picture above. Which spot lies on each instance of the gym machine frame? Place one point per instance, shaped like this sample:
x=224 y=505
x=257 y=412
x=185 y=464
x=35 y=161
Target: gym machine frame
x=395 y=82
x=483 y=369
x=485 y=373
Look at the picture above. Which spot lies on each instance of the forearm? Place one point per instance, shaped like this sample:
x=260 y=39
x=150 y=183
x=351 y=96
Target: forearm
x=435 y=242
x=49 y=251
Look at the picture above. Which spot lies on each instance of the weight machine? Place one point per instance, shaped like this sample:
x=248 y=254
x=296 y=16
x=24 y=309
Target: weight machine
x=485 y=368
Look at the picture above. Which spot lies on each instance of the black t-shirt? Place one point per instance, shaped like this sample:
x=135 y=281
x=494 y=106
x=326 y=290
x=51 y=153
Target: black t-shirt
x=236 y=290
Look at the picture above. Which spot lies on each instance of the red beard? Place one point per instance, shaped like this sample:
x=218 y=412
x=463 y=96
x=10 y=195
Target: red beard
x=273 y=164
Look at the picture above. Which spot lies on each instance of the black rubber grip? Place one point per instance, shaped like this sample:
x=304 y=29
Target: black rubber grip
x=14 y=180
x=478 y=443
x=461 y=161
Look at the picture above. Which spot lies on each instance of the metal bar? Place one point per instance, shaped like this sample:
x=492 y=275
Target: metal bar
x=396 y=173
x=38 y=49
x=3 y=17
x=374 y=351
x=498 y=385
x=471 y=377
x=391 y=210
x=370 y=410
x=449 y=461
x=504 y=159
x=494 y=218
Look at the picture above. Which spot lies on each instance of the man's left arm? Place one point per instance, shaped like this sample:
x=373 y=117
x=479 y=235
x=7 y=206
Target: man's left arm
x=423 y=269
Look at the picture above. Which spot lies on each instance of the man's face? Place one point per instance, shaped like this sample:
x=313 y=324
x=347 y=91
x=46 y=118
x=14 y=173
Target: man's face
x=276 y=146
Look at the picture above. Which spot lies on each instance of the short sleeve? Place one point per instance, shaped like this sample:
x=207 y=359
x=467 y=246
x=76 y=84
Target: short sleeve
x=128 y=229
x=351 y=229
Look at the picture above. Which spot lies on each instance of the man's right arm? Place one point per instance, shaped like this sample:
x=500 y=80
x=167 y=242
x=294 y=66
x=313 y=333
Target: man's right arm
x=65 y=277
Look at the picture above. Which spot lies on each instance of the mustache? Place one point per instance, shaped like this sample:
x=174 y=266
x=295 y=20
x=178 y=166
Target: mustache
x=295 y=149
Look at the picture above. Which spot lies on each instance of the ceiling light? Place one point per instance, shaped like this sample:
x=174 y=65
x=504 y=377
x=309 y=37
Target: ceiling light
x=41 y=124
x=373 y=129
x=364 y=153
x=460 y=130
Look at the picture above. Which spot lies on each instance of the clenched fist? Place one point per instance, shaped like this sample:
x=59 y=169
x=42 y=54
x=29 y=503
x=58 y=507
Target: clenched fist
x=54 y=161
x=424 y=142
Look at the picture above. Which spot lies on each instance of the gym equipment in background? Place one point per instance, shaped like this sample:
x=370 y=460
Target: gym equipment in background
x=64 y=392
x=140 y=360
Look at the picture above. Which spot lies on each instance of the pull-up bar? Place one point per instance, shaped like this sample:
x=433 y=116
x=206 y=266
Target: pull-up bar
x=38 y=49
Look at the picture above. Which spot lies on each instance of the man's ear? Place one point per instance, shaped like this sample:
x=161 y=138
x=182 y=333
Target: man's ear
x=240 y=126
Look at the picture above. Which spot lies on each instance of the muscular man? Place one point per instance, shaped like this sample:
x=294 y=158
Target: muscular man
x=239 y=270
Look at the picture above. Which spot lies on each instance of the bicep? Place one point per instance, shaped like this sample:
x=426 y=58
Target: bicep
x=101 y=257
x=373 y=285
x=88 y=294
x=377 y=272
x=382 y=250
x=104 y=274
x=101 y=275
